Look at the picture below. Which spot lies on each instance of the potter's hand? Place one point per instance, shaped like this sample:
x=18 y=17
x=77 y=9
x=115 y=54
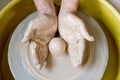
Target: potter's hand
x=72 y=29
x=40 y=31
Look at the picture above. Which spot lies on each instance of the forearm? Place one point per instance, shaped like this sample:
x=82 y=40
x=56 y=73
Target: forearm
x=70 y=5
x=45 y=6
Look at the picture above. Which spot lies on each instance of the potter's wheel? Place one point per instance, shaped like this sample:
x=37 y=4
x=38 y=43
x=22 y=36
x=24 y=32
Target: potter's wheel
x=58 y=68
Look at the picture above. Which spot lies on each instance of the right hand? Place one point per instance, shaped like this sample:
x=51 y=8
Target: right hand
x=39 y=32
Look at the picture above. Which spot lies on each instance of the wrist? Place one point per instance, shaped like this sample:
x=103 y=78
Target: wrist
x=69 y=5
x=45 y=6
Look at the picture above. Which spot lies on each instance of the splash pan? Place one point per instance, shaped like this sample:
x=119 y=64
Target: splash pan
x=58 y=68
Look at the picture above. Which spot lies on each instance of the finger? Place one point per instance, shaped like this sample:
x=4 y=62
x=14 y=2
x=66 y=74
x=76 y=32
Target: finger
x=33 y=54
x=76 y=52
x=28 y=33
x=39 y=66
x=72 y=54
x=81 y=51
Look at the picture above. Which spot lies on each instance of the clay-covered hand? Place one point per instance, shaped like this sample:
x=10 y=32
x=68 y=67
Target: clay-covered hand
x=39 y=32
x=73 y=30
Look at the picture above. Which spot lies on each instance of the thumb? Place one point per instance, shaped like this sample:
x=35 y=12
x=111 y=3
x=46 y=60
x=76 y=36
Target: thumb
x=82 y=28
x=28 y=33
x=84 y=32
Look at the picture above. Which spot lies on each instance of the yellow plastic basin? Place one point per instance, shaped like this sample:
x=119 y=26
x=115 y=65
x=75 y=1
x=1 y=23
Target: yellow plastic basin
x=101 y=10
